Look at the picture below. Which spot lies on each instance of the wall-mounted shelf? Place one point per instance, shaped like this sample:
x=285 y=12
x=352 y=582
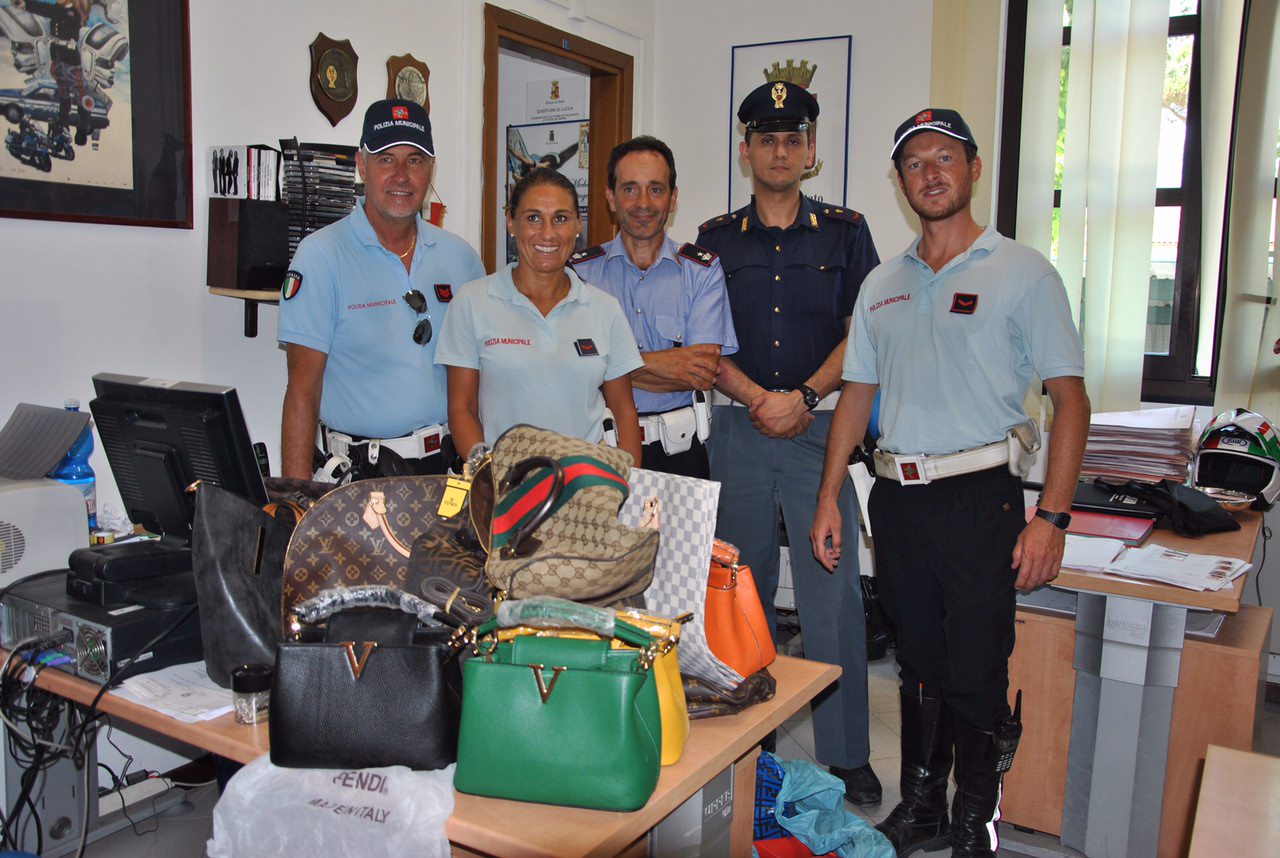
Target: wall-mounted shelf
x=252 y=298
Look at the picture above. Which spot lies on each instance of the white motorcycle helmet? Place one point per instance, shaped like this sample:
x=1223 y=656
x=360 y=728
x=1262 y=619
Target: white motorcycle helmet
x=1240 y=452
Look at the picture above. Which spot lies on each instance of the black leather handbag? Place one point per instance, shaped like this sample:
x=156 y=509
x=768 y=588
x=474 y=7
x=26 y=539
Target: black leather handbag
x=380 y=690
x=237 y=553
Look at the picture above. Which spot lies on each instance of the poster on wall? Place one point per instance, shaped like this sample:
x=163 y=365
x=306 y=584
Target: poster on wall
x=557 y=99
x=562 y=146
x=821 y=66
x=95 y=97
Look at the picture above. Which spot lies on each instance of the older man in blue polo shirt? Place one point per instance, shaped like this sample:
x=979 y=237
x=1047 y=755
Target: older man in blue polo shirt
x=673 y=297
x=359 y=312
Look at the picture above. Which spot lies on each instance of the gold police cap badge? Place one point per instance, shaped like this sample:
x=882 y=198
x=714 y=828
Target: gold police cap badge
x=779 y=94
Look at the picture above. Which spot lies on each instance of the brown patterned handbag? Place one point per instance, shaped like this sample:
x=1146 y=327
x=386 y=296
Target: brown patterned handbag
x=554 y=529
x=391 y=531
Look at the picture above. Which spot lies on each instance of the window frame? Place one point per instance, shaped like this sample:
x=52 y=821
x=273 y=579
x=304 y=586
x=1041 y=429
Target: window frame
x=1165 y=377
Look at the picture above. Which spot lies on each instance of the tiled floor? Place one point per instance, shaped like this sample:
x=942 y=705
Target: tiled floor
x=183 y=832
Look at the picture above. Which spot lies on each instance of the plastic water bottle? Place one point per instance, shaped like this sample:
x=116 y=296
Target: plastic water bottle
x=74 y=469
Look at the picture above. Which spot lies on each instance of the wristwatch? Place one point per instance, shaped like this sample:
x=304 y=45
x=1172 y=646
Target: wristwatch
x=1060 y=520
x=811 y=397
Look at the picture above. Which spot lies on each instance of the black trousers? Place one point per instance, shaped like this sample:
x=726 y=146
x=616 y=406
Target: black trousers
x=691 y=463
x=943 y=561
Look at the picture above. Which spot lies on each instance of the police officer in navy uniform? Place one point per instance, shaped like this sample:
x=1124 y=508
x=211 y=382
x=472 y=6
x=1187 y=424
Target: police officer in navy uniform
x=793 y=266
x=673 y=296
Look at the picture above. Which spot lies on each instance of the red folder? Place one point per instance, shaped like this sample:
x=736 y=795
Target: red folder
x=1126 y=528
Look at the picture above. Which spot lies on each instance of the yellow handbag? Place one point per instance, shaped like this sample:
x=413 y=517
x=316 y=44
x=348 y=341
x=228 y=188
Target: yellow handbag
x=666 y=671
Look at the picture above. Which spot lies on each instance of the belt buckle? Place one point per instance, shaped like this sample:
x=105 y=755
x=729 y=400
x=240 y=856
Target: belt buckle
x=431 y=442
x=911 y=470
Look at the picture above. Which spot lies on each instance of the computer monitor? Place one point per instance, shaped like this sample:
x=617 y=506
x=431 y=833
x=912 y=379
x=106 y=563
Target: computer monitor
x=160 y=436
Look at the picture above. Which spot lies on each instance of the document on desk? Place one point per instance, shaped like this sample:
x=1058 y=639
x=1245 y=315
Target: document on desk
x=181 y=691
x=1180 y=568
x=1091 y=553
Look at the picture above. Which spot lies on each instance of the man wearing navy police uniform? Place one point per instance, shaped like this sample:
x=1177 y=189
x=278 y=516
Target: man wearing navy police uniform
x=793 y=267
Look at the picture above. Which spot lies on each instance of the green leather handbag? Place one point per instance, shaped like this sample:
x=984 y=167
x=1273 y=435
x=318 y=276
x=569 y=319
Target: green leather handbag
x=563 y=721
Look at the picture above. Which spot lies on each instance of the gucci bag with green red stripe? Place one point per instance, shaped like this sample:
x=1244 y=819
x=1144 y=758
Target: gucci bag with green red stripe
x=554 y=529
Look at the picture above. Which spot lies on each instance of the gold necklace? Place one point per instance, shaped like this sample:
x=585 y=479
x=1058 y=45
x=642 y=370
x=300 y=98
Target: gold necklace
x=412 y=245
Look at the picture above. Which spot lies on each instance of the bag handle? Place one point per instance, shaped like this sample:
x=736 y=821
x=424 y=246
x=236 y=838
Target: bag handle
x=549 y=612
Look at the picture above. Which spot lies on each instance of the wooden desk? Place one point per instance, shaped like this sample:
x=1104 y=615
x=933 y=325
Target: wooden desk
x=484 y=826
x=1239 y=809
x=1119 y=778
x=1237 y=543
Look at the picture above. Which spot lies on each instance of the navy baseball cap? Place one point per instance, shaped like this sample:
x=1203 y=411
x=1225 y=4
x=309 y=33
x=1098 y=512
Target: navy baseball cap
x=939 y=119
x=778 y=106
x=396 y=122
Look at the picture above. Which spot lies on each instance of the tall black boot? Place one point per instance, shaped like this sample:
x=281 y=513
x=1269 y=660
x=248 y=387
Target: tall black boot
x=920 y=820
x=976 y=806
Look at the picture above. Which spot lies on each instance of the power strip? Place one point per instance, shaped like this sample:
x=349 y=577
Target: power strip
x=130 y=795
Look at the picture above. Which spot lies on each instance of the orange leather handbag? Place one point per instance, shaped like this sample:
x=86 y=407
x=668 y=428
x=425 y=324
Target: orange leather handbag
x=736 y=628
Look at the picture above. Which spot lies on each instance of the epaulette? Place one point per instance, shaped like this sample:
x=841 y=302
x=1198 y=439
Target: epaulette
x=587 y=253
x=840 y=213
x=724 y=220
x=700 y=255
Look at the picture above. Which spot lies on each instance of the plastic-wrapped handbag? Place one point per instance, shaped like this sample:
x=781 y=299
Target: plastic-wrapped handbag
x=554 y=528
x=382 y=689
x=390 y=531
x=560 y=720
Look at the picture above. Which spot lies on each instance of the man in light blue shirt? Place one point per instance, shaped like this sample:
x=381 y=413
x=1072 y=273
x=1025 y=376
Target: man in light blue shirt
x=674 y=298
x=361 y=307
x=950 y=332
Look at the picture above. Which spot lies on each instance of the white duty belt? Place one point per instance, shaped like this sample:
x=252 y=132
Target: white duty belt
x=1017 y=450
x=827 y=403
x=416 y=445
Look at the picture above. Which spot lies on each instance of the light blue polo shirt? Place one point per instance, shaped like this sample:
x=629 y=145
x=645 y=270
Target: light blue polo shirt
x=377 y=381
x=676 y=301
x=953 y=352
x=545 y=371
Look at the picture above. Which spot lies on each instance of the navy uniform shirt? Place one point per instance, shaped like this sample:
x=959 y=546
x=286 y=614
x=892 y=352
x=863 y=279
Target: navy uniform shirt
x=790 y=290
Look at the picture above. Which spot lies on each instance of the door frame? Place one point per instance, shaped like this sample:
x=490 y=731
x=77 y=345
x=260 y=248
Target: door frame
x=612 y=84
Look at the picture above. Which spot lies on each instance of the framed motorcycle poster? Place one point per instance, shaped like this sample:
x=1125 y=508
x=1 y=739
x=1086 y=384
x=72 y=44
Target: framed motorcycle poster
x=95 y=109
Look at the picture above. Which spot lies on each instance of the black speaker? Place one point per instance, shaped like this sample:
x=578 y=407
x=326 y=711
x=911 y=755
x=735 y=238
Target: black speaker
x=248 y=243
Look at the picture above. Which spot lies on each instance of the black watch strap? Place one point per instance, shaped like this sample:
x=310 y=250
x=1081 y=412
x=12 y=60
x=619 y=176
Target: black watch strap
x=811 y=397
x=1060 y=520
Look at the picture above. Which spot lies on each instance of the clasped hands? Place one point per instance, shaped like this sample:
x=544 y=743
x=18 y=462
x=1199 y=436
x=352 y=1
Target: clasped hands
x=779 y=415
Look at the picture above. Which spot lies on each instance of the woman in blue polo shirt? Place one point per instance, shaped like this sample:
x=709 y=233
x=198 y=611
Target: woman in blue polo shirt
x=534 y=344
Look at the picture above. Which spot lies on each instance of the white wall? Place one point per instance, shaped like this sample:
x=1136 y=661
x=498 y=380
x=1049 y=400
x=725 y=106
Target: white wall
x=890 y=80
x=80 y=298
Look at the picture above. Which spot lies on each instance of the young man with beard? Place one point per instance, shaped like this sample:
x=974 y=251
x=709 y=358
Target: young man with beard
x=673 y=296
x=950 y=332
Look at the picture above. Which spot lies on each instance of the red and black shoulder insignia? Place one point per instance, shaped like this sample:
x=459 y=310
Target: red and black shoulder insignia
x=585 y=254
x=841 y=213
x=700 y=255
x=716 y=222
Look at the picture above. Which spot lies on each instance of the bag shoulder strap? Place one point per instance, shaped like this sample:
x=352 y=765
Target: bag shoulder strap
x=521 y=504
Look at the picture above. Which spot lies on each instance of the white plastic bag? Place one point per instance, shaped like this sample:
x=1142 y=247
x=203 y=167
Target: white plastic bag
x=267 y=810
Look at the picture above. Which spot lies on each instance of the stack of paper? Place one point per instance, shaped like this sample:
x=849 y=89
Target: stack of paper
x=1179 y=568
x=181 y=691
x=1150 y=445
x=1091 y=553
